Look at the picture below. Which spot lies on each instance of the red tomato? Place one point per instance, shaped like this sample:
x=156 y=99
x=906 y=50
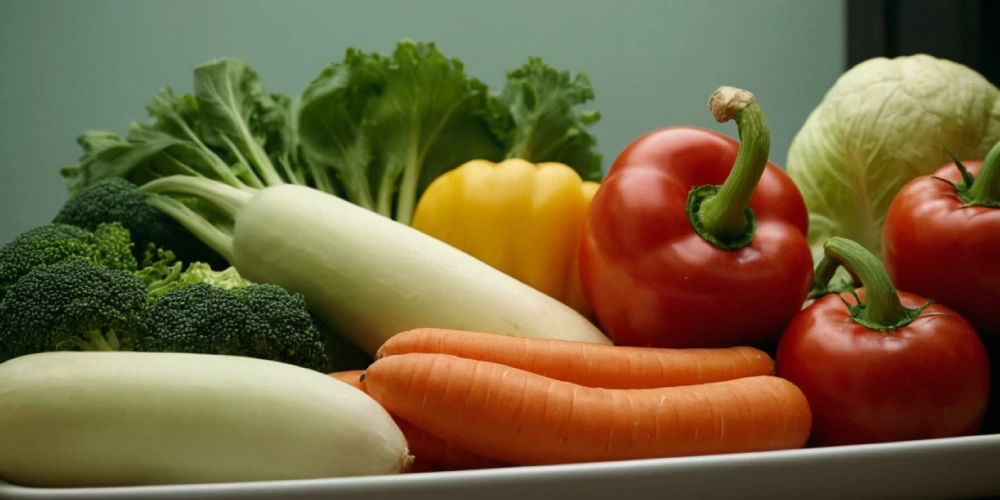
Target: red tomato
x=939 y=248
x=928 y=379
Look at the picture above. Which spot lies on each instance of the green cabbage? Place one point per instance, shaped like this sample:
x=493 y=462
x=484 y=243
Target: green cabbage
x=883 y=123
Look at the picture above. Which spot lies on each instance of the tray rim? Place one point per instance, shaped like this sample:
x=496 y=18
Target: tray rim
x=397 y=483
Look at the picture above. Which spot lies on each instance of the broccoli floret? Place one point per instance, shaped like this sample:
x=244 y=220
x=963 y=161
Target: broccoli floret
x=292 y=336
x=115 y=199
x=72 y=305
x=109 y=245
x=168 y=276
x=203 y=319
x=254 y=320
x=159 y=270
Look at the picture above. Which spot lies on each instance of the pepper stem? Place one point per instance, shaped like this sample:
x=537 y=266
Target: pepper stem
x=721 y=214
x=883 y=310
x=985 y=190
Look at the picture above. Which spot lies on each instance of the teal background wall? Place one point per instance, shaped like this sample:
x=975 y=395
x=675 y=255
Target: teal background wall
x=66 y=66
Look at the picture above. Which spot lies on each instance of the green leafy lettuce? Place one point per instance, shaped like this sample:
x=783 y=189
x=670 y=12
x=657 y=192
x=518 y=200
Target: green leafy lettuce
x=384 y=127
x=543 y=123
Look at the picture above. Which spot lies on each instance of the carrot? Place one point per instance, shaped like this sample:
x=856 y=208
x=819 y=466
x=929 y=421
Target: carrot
x=352 y=377
x=431 y=453
x=441 y=454
x=588 y=364
x=525 y=418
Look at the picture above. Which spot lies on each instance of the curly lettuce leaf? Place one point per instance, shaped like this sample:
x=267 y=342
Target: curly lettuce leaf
x=544 y=123
x=330 y=117
x=430 y=118
x=386 y=127
x=884 y=123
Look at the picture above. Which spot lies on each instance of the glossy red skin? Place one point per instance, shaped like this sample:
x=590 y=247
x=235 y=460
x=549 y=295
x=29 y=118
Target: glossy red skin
x=653 y=281
x=935 y=247
x=929 y=379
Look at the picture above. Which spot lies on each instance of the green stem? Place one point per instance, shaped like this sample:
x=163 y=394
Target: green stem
x=407 y=197
x=231 y=200
x=321 y=178
x=199 y=226
x=883 y=310
x=286 y=167
x=113 y=340
x=822 y=275
x=153 y=289
x=357 y=188
x=218 y=166
x=95 y=341
x=386 y=190
x=722 y=214
x=247 y=172
x=986 y=188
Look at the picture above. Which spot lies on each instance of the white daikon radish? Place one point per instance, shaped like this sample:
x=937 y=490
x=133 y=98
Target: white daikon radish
x=77 y=419
x=368 y=276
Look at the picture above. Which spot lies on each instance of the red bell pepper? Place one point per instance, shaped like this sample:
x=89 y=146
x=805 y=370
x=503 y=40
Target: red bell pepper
x=941 y=239
x=879 y=364
x=669 y=258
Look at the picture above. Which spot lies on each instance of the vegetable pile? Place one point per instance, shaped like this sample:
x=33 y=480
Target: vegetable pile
x=401 y=270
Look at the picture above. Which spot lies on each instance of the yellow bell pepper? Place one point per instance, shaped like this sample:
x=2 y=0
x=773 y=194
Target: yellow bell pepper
x=523 y=219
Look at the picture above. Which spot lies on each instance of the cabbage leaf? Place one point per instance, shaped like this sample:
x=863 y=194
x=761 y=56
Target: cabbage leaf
x=882 y=124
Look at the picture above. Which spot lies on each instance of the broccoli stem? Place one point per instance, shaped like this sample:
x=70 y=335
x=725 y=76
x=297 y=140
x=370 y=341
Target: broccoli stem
x=95 y=341
x=154 y=287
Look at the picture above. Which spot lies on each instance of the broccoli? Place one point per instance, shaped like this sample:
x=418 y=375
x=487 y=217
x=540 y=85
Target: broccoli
x=203 y=319
x=164 y=276
x=292 y=332
x=254 y=320
x=118 y=200
x=72 y=305
x=109 y=245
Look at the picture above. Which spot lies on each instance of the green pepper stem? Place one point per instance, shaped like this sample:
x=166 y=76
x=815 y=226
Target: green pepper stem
x=724 y=214
x=883 y=309
x=986 y=188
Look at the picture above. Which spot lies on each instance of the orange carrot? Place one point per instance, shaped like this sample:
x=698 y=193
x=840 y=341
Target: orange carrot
x=591 y=365
x=352 y=377
x=431 y=453
x=441 y=454
x=524 y=418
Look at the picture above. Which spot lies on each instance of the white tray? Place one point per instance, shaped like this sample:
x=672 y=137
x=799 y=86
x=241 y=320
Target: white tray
x=954 y=468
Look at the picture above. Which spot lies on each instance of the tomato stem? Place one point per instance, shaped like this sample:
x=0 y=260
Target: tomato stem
x=821 y=277
x=721 y=214
x=985 y=190
x=883 y=311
